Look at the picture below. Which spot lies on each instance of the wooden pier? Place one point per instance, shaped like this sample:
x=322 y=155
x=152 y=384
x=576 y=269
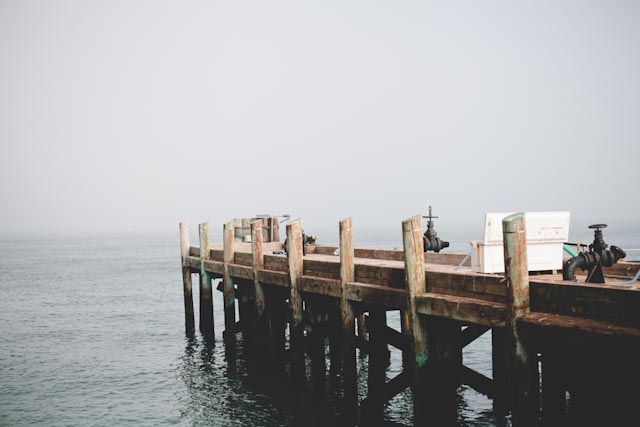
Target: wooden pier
x=551 y=339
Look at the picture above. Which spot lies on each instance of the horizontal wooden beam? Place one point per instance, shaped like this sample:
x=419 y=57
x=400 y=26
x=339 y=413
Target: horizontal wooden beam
x=590 y=300
x=549 y=326
x=390 y=298
x=319 y=286
x=463 y=309
x=216 y=267
x=240 y=271
x=192 y=262
x=271 y=277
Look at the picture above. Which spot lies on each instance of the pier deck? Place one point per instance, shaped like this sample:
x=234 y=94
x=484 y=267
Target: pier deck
x=444 y=306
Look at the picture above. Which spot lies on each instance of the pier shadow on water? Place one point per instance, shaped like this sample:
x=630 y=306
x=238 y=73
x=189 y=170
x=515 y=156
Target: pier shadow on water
x=235 y=384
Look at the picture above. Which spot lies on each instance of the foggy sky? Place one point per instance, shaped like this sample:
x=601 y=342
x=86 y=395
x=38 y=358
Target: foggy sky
x=126 y=117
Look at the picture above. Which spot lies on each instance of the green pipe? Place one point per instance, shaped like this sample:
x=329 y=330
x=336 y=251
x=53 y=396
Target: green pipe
x=570 y=251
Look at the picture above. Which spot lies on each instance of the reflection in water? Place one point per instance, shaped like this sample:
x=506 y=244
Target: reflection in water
x=226 y=387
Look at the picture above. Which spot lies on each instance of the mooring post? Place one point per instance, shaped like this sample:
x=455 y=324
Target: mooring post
x=189 y=321
x=416 y=284
x=347 y=275
x=228 y=289
x=206 y=302
x=296 y=328
x=521 y=360
x=262 y=321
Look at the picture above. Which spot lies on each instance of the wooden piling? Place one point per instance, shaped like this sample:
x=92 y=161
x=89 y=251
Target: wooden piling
x=296 y=326
x=347 y=275
x=189 y=321
x=521 y=360
x=378 y=362
x=362 y=326
x=206 y=302
x=416 y=284
x=228 y=286
x=258 y=264
x=274 y=229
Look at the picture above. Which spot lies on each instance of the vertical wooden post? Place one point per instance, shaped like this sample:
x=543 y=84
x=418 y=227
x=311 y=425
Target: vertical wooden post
x=262 y=319
x=189 y=321
x=347 y=274
x=404 y=328
x=362 y=326
x=275 y=229
x=258 y=264
x=522 y=361
x=206 y=303
x=416 y=284
x=296 y=329
x=499 y=370
x=228 y=286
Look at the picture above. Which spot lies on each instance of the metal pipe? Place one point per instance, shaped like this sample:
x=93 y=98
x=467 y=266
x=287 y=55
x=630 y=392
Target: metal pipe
x=569 y=269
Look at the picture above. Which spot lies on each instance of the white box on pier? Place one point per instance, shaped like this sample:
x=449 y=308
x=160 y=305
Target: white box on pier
x=546 y=233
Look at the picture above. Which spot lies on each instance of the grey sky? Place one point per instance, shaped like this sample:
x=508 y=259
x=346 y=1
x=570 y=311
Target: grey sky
x=120 y=116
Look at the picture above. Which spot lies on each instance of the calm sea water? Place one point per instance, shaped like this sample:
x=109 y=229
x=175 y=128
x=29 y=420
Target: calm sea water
x=92 y=334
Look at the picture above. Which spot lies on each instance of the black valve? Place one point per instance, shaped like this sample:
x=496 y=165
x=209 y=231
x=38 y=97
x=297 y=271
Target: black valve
x=307 y=239
x=592 y=261
x=430 y=239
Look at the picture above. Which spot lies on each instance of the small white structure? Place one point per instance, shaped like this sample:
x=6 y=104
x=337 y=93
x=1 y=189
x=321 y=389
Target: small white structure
x=546 y=233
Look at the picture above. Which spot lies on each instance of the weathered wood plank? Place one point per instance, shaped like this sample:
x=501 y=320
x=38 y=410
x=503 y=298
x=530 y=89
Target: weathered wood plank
x=325 y=268
x=240 y=271
x=467 y=310
x=588 y=300
x=278 y=278
x=319 y=286
x=215 y=267
x=243 y=258
x=480 y=285
x=395 y=255
x=192 y=263
x=545 y=323
x=276 y=262
x=383 y=296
